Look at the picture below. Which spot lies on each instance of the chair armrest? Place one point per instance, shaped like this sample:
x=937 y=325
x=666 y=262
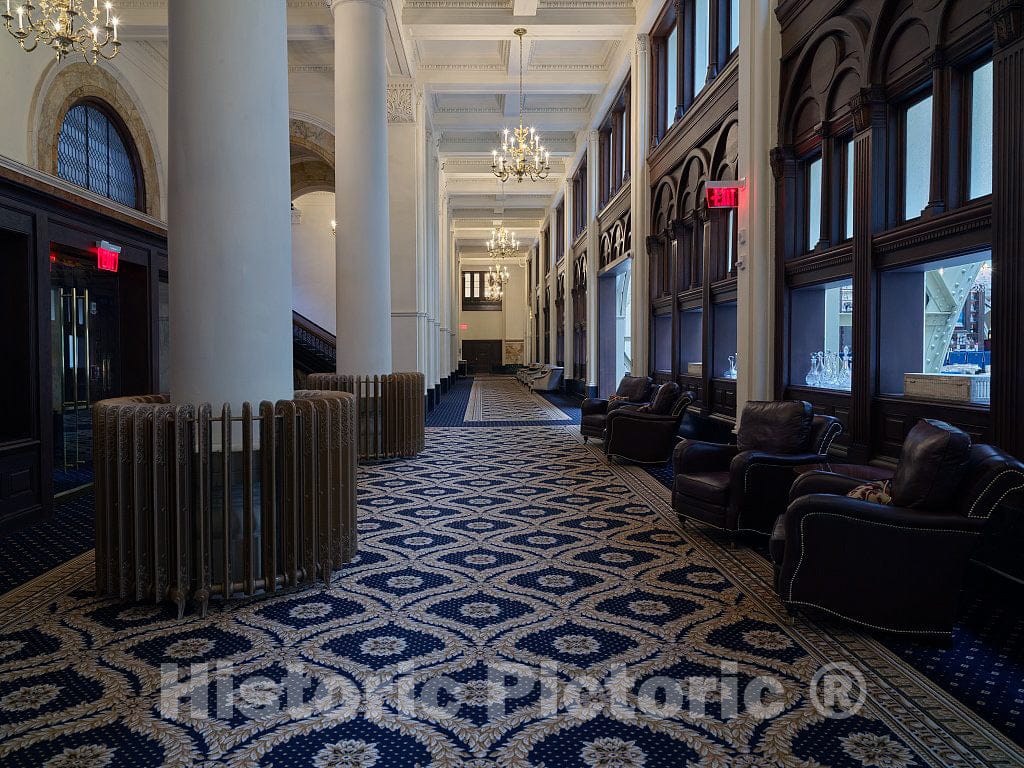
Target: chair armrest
x=591 y=406
x=746 y=464
x=694 y=456
x=630 y=411
x=824 y=482
x=857 y=512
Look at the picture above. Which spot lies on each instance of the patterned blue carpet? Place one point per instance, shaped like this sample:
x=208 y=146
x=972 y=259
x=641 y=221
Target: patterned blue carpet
x=517 y=602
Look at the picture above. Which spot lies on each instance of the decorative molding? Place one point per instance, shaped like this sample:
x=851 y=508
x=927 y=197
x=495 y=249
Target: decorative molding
x=867 y=105
x=381 y=4
x=310 y=69
x=1008 y=21
x=643 y=43
x=400 y=103
x=498 y=5
x=590 y=5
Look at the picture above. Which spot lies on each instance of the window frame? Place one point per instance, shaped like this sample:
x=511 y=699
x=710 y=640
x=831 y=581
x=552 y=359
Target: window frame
x=120 y=127
x=476 y=284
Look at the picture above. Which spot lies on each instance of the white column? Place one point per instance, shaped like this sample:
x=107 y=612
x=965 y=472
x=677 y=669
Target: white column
x=593 y=257
x=229 y=229
x=759 y=76
x=640 y=202
x=363 y=242
x=549 y=284
x=567 y=267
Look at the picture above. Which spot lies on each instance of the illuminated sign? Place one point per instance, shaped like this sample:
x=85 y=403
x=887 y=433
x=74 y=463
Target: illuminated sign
x=107 y=255
x=723 y=194
x=463 y=326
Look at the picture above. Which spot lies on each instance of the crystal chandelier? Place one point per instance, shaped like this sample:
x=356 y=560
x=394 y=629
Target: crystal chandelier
x=522 y=155
x=67 y=26
x=497 y=278
x=503 y=244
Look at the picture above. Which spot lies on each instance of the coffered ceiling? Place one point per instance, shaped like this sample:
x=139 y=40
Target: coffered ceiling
x=464 y=57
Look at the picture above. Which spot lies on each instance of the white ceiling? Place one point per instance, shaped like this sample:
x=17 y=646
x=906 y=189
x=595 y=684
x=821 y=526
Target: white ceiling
x=462 y=53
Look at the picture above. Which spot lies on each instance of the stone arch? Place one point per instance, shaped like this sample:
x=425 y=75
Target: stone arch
x=77 y=82
x=311 y=145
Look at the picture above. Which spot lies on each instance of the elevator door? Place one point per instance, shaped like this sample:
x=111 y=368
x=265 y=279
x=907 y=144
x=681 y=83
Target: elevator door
x=84 y=354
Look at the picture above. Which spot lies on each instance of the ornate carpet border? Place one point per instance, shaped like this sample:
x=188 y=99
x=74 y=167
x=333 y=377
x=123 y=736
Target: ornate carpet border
x=939 y=726
x=34 y=595
x=537 y=407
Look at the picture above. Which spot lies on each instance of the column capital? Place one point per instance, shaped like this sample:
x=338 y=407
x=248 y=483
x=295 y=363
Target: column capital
x=1008 y=21
x=400 y=104
x=643 y=43
x=381 y=4
x=866 y=105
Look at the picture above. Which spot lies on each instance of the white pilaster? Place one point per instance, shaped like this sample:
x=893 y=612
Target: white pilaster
x=567 y=267
x=640 y=195
x=549 y=283
x=229 y=228
x=593 y=256
x=759 y=76
x=363 y=242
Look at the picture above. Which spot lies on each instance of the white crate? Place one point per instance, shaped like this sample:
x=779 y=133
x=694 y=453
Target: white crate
x=695 y=369
x=946 y=386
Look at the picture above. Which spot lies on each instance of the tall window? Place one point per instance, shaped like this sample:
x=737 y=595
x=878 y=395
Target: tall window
x=812 y=184
x=917 y=157
x=734 y=25
x=474 y=293
x=701 y=44
x=981 y=132
x=672 y=77
x=93 y=153
x=850 y=159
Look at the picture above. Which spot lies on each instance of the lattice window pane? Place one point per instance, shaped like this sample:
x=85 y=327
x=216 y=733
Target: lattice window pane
x=72 y=155
x=92 y=154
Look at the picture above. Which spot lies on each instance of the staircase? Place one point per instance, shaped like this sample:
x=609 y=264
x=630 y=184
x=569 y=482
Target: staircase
x=313 y=348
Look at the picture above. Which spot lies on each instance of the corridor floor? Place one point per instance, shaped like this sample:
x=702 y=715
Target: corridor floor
x=517 y=601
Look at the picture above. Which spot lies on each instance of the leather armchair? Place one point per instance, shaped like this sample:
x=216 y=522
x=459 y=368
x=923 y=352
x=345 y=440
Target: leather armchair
x=632 y=390
x=745 y=487
x=647 y=434
x=899 y=567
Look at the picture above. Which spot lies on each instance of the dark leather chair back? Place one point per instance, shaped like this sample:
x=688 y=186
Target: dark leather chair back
x=778 y=426
x=635 y=389
x=931 y=466
x=664 y=399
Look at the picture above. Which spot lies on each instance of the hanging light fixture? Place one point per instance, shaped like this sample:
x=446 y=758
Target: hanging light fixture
x=66 y=26
x=497 y=278
x=522 y=155
x=503 y=244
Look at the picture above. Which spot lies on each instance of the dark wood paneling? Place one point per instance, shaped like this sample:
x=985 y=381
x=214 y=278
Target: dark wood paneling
x=848 y=70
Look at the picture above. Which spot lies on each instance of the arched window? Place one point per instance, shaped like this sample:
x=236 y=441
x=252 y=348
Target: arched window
x=95 y=153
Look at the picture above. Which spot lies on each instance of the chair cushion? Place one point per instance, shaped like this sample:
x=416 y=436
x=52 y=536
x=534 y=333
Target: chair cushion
x=778 y=427
x=635 y=389
x=877 y=492
x=664 y=399
x=931 y=465
x=709 y=487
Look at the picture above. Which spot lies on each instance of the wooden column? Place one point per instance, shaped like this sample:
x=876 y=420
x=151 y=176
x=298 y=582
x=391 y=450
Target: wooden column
x=825 y=238
x=870 y=121
x=1008 y=227
x=942 y=77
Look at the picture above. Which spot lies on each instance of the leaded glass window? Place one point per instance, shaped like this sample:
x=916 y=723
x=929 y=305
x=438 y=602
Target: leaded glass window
x=92 y=153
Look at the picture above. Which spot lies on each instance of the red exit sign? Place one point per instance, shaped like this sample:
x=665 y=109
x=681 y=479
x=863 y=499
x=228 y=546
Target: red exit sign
x=107 y=255
x=723 y=194
x=463 y=326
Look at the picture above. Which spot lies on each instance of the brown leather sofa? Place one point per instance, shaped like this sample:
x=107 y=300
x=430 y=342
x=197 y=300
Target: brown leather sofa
x=632 y=390
x=745 y=487
x=646 y=434
x=896 y=567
